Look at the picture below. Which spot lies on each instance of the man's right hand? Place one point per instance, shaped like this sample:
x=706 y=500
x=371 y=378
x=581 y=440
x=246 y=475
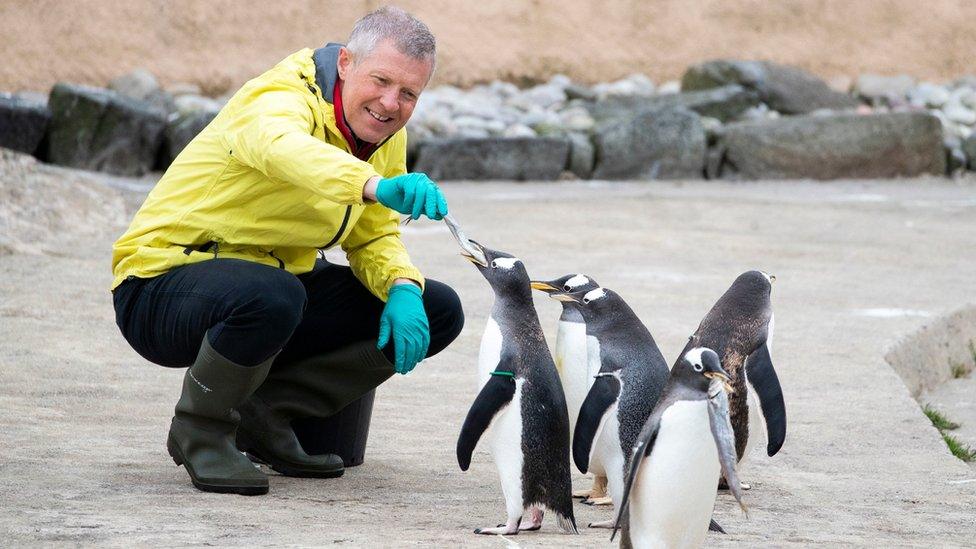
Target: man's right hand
x=412 y=194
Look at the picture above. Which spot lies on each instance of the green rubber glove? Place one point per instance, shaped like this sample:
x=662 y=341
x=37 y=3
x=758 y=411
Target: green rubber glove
x=412 y=194
x=405 y=319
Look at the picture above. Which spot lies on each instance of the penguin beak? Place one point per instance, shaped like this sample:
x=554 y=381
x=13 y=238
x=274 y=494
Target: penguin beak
x=564 y=297
x=475 y=253
x=723 y=378
x=542 y=286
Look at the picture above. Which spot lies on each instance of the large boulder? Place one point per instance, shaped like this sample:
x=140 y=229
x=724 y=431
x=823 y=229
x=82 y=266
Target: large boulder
x=660 y=144
x=22 y=123
x=725 y=103
x=833 y=147
x=98 y=129
x=786 y=89
x=181 y=128
x=494 y=158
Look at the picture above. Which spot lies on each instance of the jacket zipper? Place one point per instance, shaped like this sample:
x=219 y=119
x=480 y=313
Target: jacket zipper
x=342 y=228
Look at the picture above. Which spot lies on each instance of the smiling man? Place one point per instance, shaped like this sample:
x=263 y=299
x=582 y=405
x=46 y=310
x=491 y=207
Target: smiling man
x=220 y=269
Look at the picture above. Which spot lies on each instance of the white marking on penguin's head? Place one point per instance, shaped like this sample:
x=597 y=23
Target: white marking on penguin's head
x=694 y=357
x=769 y=278
x=576 y=281
x=504 y=263
x=593 y=295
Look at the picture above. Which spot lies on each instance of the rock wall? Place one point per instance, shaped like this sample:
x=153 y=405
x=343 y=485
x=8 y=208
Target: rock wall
x=219 y=44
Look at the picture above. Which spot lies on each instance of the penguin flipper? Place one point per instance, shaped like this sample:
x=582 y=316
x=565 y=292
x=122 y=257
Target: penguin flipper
x=642 y=449
x=495 y=395
x=603 y=393
x=762 y=377
x=716 y=527
x=721 y=427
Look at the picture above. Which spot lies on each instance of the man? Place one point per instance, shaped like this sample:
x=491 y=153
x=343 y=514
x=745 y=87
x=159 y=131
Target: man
x=219 y=270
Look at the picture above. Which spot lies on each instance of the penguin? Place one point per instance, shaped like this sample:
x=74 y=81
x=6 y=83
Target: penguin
x=739 y=327
x=521 y=404
x=686 y=444
x=573 y=364
x=632 y=374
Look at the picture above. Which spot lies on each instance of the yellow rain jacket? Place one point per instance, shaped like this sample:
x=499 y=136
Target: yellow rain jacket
x=272 y=180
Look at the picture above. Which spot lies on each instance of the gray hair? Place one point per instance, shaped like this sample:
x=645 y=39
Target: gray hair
x=410 y=35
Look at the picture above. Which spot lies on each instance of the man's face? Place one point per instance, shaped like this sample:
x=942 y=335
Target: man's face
x=380 y=91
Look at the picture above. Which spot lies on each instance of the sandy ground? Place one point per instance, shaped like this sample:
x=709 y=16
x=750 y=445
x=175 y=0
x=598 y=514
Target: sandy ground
x=84 y=419
x=219 y=44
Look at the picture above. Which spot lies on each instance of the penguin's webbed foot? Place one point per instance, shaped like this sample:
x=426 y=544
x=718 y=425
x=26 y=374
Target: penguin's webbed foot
x=599 y=501
x=583 y=494
x=602 y=524
x=500 y=531
x=509 y=529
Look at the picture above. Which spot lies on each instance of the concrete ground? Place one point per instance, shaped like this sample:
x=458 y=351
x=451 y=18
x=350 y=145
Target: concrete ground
x=84 y=418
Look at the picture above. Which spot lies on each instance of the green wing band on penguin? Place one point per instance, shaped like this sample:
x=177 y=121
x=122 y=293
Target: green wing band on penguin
x=495 y=395
x=762 y=377
x=721 y=427
x=642 y=449
x=603 y=393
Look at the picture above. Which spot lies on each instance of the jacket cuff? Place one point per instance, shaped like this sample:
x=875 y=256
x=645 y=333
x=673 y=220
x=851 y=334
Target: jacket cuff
x=403 y=272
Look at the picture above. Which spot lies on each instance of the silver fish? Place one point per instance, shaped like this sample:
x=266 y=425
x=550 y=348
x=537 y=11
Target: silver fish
x=718 y=419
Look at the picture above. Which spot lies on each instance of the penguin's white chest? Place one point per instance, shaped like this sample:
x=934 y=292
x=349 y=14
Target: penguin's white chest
x=674 y=492
x=505 y=434
x=490 y=352
x=572 y=363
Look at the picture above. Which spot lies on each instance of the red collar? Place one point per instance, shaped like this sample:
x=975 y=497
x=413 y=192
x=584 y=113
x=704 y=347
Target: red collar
x=360 y=149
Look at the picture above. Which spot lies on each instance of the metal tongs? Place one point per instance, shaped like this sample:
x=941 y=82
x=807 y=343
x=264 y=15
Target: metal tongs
x=469 y=246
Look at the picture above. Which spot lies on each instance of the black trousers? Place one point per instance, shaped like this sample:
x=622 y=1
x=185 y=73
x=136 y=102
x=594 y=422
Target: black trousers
x=253 y=311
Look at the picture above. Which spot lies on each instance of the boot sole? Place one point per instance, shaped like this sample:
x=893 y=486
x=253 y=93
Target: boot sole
x=289 y=470
x=242 y=489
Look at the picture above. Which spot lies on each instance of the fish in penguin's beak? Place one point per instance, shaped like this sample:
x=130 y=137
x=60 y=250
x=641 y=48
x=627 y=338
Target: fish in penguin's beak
x=475 y=253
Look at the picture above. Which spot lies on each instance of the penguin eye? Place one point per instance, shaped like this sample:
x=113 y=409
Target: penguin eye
x=566 y=288
x=699 y=367
x=494 y=264
x=585 y=301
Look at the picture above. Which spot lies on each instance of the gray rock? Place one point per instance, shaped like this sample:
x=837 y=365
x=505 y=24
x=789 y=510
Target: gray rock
x=141 y=85
x=959 y=114
x=660 y=144
x=97 y=129
x=725 y=104
x=582 y=155
x=955 y=155
x=22 y=123
x=833 y=147
x=630 y=86
x=495 y=158
x=579 y=91
x=969 y=149
x=786 y=89
x=518 y=130
x=181 y=128
x=927 y=94
x=877 y=88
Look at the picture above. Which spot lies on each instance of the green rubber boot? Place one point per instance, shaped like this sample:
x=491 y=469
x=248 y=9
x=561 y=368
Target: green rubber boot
x=316 y=387
x=201 y=436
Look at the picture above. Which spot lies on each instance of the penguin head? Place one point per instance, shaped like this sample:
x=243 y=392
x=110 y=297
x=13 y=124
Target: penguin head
x=566 y=284
x=593 y=303
x=698 y=367
x=754 y=283
x=504 y=272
